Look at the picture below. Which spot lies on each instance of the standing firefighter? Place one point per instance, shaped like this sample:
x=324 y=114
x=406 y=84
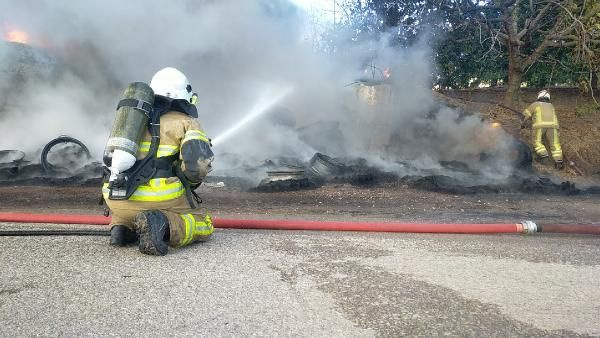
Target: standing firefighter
x=157 y=155
x=544 y=122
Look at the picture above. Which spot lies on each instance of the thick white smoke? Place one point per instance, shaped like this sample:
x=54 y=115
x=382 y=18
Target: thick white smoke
x=233 y=52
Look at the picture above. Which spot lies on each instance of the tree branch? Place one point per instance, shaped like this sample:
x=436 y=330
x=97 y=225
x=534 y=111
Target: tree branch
x=536 y=53
x=533 y=23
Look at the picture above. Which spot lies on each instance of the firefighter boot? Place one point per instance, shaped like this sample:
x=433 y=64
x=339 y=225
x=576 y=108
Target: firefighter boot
x=153 y=228
x=121 y=235
x=542 y=159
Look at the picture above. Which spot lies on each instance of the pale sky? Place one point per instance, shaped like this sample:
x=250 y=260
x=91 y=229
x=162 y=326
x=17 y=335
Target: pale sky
x=323 y=8
x=321 y=4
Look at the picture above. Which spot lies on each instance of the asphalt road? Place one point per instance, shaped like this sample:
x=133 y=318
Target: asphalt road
x=292 y=283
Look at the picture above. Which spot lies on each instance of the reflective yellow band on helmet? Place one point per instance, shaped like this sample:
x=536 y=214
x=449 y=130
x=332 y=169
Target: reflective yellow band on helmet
x=156 y=190
x=163 y=149
x=195 y=135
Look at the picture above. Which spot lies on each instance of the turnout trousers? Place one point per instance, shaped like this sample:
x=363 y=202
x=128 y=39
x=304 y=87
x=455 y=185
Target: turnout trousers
x=552 y=139
x=186 y=225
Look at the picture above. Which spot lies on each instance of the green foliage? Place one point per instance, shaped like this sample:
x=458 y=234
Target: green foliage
x=467 y=52
x=556 y=67
x=587 y=109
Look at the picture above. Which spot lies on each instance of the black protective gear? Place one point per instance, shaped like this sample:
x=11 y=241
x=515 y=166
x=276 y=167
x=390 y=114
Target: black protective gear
x=544 y=99
x=121 y=235
x=143 y=170
x=542 y=159
x=196 y=154
x=164 y=104
x=153 y=229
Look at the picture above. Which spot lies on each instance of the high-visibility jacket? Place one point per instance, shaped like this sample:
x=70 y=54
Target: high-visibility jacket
x=182 y=137
x=543 y=115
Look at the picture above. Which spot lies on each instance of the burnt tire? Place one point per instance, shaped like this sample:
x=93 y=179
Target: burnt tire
x=524 y=158
x=50 y=168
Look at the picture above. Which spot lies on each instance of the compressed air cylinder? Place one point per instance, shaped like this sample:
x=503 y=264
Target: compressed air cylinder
x=128 y=129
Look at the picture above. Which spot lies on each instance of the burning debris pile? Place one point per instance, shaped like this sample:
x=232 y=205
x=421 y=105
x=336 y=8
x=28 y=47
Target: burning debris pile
x=58 y=166
x=451 y=177
x=63 y=161
x=321 y=169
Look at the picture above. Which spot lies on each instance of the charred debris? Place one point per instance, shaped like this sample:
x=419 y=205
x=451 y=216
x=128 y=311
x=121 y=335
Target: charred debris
x=62 y=161
x=67 y=161
x=452 y=177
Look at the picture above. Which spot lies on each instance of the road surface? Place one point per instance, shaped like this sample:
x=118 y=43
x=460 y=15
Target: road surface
x=295 y=283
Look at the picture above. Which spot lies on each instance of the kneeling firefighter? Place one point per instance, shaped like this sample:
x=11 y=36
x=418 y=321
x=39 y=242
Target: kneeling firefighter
x=155 y=157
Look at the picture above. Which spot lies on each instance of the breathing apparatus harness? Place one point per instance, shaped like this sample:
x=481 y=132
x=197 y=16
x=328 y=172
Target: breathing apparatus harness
x=143 y=170
x=150 y=166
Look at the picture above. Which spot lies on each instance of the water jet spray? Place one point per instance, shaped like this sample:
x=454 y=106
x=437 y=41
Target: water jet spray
x=259 y=108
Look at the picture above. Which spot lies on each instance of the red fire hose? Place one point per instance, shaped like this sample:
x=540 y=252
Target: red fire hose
x=570 y=229
x=524 y=227
x=366 y=226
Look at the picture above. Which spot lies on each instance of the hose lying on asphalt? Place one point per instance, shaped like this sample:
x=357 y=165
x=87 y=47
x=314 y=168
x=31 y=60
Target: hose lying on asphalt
x=526 y=227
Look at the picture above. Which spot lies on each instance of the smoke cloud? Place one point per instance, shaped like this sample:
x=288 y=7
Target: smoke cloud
x=234 y=53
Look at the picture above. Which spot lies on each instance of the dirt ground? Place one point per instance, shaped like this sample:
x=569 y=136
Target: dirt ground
x=579 y=134
x=385 y=202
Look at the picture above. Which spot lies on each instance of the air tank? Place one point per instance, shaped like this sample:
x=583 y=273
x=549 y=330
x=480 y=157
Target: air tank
x=131 y=121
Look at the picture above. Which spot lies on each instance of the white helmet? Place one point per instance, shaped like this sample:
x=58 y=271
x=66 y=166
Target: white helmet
x=543 y=94
x=171 y=83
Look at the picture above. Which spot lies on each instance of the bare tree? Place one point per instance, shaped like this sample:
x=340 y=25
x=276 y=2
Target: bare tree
x=527 y=29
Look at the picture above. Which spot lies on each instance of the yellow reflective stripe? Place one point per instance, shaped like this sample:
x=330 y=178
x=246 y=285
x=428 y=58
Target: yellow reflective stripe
x=556 y=148
x=195 y=135
x=192 y=132
x=194 y=228
x=545 y=125
x=538 y=115
x=189 y=229
x=156 y=190
x=527 y=113
x=556 y=141
x=163 y=149
x=204 y=228
x=155 y=194
x=538 y=147
x=155 y=198
x=105 y=190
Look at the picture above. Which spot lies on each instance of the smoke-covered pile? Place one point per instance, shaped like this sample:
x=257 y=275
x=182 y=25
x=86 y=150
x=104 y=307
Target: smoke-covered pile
x=235 y=53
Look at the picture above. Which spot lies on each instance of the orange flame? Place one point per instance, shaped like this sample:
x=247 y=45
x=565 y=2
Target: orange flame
x=15 y=35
